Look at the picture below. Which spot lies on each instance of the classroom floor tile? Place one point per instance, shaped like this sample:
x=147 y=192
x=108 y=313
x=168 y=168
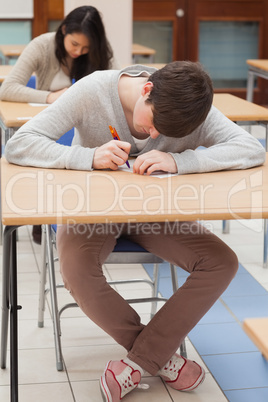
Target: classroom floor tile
x=248 y=395
x=208 y=339
x=238 y=370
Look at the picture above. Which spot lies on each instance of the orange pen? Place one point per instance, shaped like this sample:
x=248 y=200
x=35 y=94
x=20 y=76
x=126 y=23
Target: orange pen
x=116 y=137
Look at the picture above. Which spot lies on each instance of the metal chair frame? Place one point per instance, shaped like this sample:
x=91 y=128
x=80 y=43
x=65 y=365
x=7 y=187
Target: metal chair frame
x=121 y=257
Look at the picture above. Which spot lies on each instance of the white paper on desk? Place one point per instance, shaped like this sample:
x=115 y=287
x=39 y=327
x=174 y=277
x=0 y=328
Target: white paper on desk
x=25 y=118
x=38 y=104
x=159 y=174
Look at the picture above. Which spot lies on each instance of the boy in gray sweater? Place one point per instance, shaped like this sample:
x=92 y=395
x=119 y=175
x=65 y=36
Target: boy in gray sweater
x=162 y=117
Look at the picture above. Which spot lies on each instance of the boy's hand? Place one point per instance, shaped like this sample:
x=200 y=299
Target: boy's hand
x=154 y=160
x=111 y=155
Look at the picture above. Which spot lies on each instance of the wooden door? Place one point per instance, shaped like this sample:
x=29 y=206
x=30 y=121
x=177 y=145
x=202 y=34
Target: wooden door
x=169 y=11
x=44 y=12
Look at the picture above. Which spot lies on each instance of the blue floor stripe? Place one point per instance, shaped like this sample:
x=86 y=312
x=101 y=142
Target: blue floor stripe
x=231 y=357
x=248 y=395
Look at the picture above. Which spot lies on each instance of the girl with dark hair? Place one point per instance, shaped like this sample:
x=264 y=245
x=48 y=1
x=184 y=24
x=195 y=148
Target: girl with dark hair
x=85 y=21
x=78 y=48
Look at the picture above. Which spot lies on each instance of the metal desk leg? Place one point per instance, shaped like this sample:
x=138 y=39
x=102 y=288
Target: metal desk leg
x=265 y=243
x=10 y=303
x=5 y=300
x=225 y=226
x=250 y=86
x=14 y=321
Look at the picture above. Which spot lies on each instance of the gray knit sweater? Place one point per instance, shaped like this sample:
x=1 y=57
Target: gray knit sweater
x=93 y=103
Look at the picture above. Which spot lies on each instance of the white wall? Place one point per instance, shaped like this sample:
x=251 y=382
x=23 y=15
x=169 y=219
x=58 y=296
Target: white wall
x=117 y=19
x=16 y=9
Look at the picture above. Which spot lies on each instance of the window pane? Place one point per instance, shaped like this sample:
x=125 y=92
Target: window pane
x=224 y=48
x=157 y=35
x=15 y=33
x=53 y=25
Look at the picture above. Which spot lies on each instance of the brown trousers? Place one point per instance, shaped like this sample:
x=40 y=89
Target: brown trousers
x=211 y=263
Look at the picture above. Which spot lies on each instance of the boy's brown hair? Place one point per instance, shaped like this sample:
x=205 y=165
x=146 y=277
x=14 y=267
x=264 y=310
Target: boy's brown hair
x=181 y=98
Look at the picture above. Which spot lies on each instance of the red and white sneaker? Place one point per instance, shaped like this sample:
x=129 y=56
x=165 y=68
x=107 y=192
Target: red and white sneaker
x=118 y=380
x=182 y=374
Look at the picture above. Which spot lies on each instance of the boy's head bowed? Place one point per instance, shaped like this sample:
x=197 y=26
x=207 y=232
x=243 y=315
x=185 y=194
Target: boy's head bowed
x=181 y=98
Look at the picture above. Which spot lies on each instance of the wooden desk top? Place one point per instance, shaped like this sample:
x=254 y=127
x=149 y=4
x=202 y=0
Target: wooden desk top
x=15 y=114
x=142 y=50
x=262 y=64
x=257 y=330
x=237 y=109
x=37 y=196
x=12 y=50
x=155 y=65
x=4 y=71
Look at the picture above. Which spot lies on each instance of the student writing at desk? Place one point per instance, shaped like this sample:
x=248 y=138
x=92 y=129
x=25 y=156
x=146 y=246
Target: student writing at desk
x=162 y=117
x=79 y=47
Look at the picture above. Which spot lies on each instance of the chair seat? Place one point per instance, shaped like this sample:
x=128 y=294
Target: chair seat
x=127 y=246
x=123 y=245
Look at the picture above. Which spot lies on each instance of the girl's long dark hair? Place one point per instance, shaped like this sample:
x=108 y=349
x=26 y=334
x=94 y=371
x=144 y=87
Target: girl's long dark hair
x=85 y=20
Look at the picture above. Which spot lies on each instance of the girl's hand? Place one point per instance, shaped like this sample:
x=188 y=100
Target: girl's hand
x=55 y=95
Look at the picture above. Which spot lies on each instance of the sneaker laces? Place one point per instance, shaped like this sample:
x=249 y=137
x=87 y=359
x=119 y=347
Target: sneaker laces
x=126 y=383
x=172 y=367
